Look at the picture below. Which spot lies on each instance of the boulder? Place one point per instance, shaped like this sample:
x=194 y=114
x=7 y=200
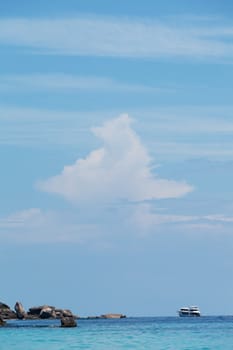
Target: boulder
x=68 y=322
x=35 y=311
x=4 y=306
x=20 y=313
x=67 y=313
x=64 y=313
x=2 y=322
x=47 y=312
x=6 y=312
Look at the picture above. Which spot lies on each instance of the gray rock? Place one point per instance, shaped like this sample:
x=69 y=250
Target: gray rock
x=6 y=312
x=64 y=313
x=4 y=306
x=20 y=313
x=113 y=316
x=2 y=322
x=35 y=311
x=47 y=312
x=68 y=322
x=67 y=313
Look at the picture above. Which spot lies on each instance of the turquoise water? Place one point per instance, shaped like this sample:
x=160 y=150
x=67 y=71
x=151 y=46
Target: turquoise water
x=162 y=333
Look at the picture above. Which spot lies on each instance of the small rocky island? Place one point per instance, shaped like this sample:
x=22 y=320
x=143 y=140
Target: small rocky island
x=68 y=319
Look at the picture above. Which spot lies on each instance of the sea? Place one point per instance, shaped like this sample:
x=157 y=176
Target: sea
x=155 y=333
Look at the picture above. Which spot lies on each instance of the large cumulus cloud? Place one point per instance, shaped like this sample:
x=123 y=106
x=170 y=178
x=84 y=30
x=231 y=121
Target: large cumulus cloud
x=119 y=170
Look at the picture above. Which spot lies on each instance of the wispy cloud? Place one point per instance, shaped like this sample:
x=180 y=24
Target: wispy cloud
x=219 y=218
x=184 y=150
x=68 y=83
x=147 y=220
x=175 y=132
x=177 y=119
x=99 y=227
x=188 y=119
x=122 y=37
x=18 y=219
x=34 y=225
x=120 y=170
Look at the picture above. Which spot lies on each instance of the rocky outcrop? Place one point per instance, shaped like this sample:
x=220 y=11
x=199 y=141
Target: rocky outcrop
x=106 y=316
x=43 y=311
x=2 y=322
x=48 y=312
x=67 y=313
x=4 y=306
x=64 y=313
x=68 y=321
x=113 y=316
x=20 y=312
x=37 y=312
x=6 y=312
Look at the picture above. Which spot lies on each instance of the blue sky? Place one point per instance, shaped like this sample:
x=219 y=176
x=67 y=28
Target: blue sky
x=117 y=155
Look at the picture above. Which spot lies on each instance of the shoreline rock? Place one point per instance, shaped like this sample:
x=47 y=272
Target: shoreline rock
x=115 y=316
x=106 y=316
x=46 y=311
x=68 y=321
x=33 y=313
x=6 y=312
x=20 y=312
x=2 y=322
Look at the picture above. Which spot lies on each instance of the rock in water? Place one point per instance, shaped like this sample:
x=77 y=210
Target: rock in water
x=113 y=316
x=43 y=311
x=4 y=306
x=2 y=322
x=63 y=313
x=6 y=312
x=67 y=313
x=48 y=312
x=68 y=322
x=35 y=310
x=20 y=313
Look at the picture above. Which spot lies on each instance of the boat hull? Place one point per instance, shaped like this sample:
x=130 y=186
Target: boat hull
x=188 y=315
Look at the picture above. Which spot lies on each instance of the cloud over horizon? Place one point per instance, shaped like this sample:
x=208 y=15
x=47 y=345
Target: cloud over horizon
x=101 y=229
x=119 y=170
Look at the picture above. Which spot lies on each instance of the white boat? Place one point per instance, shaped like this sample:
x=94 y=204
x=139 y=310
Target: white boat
x=192 y=311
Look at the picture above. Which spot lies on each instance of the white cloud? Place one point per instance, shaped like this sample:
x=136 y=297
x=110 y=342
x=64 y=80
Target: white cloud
x=173 y=150
x=33 y=216
x=112 y=36
x=219 y=218
x=68 y=83
x=144 y=213
x=34 y=225
x=170 y=133
x=147 y=220
x=120 y=170
x=101 y=228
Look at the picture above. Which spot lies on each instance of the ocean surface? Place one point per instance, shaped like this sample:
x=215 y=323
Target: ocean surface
x=162 y=333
